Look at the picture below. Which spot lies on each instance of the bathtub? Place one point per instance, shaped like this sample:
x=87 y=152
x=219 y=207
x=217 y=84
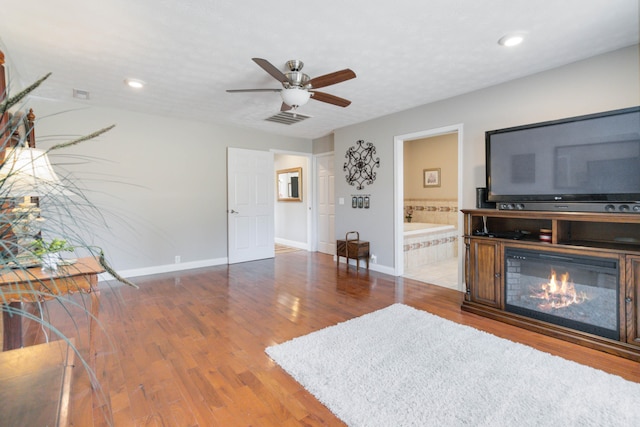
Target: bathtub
x=425 y=243
x=414 y=228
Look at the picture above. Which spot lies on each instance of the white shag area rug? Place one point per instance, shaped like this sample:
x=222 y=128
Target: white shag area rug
x=404 y=367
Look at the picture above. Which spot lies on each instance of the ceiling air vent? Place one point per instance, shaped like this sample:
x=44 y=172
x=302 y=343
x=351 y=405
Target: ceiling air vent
x=287 y=118
x=81 y=94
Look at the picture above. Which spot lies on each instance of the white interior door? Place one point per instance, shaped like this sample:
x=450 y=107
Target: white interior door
x=250 y=204
x=326 y=204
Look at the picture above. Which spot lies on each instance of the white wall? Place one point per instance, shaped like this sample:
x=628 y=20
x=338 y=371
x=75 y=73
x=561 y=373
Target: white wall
x=160 y=181
x=601 y=83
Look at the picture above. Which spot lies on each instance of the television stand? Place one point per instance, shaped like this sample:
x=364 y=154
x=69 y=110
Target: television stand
x=614 y=237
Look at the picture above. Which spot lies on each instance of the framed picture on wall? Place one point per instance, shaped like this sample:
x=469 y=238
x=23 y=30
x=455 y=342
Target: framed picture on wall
x=431 y=177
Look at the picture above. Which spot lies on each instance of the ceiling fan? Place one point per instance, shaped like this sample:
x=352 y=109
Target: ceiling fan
x=298 y=88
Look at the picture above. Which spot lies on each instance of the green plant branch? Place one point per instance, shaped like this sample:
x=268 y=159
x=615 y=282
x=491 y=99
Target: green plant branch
x=111 y=271
x=13 y=100
x=81 y=139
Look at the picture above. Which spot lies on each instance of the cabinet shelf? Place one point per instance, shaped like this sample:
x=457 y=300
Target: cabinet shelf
x=601 y=230
x=607 y=245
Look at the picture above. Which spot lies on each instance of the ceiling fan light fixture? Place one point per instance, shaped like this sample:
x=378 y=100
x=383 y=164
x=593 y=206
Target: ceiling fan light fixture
x=295 y=97
x=297 y=87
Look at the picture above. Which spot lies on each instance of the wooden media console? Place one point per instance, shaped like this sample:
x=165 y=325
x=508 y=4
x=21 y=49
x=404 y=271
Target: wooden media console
x=498 y=241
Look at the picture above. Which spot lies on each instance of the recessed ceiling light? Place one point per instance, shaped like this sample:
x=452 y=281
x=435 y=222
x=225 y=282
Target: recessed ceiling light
x=134 y=83
x=510 y=40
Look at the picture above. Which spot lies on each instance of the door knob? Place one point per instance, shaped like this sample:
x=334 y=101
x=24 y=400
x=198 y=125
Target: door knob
x=232 y=211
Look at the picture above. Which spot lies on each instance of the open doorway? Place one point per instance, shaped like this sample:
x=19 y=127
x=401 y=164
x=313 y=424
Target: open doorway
x=292 y=215
x=430 y=209
x=428 y=221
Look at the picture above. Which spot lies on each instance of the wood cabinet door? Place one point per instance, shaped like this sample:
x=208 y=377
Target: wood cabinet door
x=485 y=274
x=632 y=300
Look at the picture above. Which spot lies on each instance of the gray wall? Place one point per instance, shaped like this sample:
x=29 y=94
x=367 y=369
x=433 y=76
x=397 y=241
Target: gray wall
x=161 y=182
x=323 y=145
x=601 y=83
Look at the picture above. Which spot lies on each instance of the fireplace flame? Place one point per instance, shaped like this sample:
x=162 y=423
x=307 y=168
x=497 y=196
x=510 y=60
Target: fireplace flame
x=558 y=294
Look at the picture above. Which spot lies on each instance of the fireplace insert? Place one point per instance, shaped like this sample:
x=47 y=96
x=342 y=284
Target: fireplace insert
x=574 y=291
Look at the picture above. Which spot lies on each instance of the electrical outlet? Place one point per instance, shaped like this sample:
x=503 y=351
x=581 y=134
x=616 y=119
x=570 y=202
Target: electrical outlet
x=374 y=259
x=177 y=260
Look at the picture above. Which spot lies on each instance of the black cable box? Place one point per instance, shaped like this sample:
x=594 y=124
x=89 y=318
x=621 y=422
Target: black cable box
x=513 y=235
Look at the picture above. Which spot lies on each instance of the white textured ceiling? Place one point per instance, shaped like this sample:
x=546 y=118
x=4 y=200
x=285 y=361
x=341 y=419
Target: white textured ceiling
x=405 y=52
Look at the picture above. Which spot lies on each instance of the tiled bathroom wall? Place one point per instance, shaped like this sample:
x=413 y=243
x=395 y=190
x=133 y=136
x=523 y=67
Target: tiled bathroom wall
x=433 y=211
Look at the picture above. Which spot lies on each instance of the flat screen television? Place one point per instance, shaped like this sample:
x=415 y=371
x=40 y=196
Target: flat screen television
x=587 y=159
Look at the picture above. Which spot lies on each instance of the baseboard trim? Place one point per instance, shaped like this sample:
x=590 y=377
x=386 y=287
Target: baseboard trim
x=167 y=268
x=292 y=243
x=363 y=265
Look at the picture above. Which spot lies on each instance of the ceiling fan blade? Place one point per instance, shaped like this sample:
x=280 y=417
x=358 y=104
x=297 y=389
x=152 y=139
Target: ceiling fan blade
x=271 y=69
x=285 y=107
x=331 y=99
x=253 y=90
x=332 y=78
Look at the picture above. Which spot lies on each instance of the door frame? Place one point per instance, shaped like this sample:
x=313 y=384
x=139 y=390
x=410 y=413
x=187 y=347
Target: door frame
x=268 y=207
x=398 y=214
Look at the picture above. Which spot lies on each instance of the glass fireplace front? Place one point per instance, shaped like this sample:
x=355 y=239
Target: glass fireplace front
x=577 y=292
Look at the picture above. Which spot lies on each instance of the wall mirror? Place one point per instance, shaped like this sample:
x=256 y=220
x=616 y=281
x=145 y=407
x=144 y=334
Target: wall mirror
x=289 y=182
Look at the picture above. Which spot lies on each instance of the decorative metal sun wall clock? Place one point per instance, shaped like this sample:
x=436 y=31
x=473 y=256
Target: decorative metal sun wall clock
x=360 y=163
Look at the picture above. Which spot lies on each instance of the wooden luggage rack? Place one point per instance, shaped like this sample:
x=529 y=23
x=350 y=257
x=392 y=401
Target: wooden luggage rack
x=352 y=248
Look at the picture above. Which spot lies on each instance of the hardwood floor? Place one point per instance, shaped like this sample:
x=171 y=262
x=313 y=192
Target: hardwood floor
x=187 y=349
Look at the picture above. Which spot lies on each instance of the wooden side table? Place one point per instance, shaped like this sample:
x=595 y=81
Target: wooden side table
x=35 y=285
x=352 y=248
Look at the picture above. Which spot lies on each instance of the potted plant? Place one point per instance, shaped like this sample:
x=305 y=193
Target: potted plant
x=408 y=214
x=50 y=253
